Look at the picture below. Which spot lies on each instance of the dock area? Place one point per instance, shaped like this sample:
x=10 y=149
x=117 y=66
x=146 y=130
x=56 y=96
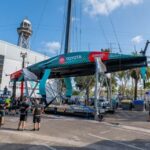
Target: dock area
x=124 y=130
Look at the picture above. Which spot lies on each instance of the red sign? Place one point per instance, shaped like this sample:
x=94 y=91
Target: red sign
x=103 y=55
x=62 y=60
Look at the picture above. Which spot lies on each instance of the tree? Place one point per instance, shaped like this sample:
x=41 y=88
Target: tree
x=148 y=73
x=124 y=77
x=85 y=83
x=75 y=92
x=135 y=74
x=112 y=84
x=147 y=83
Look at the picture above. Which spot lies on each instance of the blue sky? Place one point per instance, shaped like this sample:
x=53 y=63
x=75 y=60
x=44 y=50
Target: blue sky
x=92 y=21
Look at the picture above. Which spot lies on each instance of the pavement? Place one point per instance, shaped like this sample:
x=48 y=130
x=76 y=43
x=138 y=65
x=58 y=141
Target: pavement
x=124 y=130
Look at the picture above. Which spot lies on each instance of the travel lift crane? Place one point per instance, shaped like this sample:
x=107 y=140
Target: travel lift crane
x=99 y=73
x=143 y=52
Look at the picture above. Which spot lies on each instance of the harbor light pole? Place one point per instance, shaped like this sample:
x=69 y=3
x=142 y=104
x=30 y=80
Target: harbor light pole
x=23 y=55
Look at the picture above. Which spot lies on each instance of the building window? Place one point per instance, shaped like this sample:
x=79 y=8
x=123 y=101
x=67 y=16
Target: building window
x=1 y=67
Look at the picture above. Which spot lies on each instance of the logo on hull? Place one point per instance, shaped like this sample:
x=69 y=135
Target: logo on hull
x=62 y=60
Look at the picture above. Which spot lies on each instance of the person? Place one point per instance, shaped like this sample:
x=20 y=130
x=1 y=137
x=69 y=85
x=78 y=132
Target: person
x=14 y=106
x=148 y=112
x=24 y=106
x=37 y=111
x=5 y=90
x=2 y=112
x=8 y=105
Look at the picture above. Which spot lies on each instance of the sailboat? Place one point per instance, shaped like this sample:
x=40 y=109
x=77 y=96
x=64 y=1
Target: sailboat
x=71 y=64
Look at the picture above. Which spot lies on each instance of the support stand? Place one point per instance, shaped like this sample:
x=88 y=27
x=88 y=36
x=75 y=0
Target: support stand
x=100 y=79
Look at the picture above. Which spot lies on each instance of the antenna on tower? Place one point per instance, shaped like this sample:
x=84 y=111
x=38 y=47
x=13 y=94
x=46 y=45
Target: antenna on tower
x=24 y=32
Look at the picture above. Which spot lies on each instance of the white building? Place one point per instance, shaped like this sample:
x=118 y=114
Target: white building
x=11 y=61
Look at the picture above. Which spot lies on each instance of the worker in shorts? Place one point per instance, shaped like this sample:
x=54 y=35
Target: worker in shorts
x=37 y=111
x=24 y=107
x=148 y=112
x=2 y=113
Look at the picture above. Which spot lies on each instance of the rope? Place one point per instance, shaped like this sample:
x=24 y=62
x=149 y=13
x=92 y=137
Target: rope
x=103 y=32
x=114 y=30
x=40 y=20
x=115 y=33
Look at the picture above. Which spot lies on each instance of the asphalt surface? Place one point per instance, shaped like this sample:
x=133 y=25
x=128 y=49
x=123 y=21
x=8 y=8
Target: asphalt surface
x=124 y=130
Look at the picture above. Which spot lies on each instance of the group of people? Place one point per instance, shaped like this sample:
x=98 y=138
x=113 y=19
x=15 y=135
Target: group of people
x=24 y=107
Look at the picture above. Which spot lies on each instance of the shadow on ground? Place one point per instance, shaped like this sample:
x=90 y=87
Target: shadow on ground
x=137 y=144
x=128 y=116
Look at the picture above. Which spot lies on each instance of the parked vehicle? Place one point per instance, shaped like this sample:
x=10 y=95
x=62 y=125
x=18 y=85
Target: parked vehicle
x=127 y=104
x=104 y=104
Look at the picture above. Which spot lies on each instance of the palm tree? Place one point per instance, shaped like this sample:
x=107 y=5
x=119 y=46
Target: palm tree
x=114 y=82
x=123 y=77
x=135 y=74
x=147 y=73
x=147 y=83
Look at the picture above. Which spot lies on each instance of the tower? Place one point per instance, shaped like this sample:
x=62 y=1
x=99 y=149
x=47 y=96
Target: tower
x=24 y=32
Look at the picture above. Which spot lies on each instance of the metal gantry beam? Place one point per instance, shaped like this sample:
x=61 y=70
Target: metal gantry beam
x=101 y=78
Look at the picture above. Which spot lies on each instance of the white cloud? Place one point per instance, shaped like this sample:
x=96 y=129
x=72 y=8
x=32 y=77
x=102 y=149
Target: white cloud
x=137 y=39
x=104 y=7
x=52 y=47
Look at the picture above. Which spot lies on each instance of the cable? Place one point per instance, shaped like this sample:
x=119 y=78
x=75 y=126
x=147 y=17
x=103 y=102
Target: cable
x=114 y=30
x=40 y=20
x=103 y=32
x=115 y=33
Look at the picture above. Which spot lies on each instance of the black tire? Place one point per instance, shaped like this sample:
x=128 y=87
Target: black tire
x=99 y=117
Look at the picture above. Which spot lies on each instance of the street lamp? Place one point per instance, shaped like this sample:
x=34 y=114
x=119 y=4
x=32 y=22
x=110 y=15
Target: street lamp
x=23 y=55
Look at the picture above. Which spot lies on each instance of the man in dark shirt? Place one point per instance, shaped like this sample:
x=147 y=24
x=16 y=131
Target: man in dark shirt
x=2 y=112
x=24 y=107
x=5 y=90
x=149 y=112
x=37 y=111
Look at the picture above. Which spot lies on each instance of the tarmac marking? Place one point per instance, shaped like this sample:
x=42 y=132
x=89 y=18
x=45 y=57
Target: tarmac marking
x=47 y=146
x=46 y=138
x=104 y=132
x=130 y=128
x=120 y=143
x=135 y=128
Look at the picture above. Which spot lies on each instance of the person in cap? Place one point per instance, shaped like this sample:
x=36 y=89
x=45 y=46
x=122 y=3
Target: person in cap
x=24 y=107
x=37 y=111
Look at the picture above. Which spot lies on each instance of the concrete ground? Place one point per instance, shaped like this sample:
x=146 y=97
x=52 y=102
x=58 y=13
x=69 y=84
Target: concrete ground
x=124 y=130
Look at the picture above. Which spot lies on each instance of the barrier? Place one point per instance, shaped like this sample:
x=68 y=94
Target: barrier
x=138 y=105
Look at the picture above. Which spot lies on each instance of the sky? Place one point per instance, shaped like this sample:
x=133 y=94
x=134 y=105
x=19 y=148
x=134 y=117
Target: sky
x=96 y=24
